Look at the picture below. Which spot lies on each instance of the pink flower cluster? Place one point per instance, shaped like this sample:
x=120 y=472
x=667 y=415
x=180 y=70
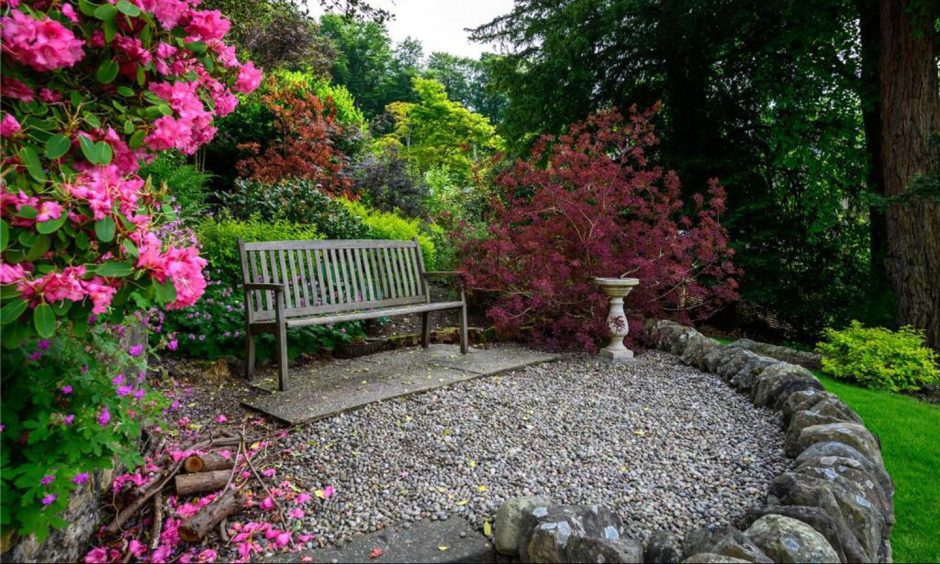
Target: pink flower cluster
x=69 y=284
x=192 y=126
x=43 y=44
x=181 y=265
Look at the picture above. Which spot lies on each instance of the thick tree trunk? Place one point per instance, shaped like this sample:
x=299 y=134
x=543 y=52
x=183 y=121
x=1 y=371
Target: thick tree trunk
x=207 y=462
x=228 y=504
x=910 y=114
x=189 y=484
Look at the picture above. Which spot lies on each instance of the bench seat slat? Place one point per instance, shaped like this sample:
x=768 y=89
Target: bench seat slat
x=357 y=315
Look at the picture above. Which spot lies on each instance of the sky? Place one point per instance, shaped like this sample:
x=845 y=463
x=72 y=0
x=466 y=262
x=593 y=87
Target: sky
x=439 y=24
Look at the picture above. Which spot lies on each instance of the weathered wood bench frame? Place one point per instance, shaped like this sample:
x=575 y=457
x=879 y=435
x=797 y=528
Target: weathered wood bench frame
x=300 y=283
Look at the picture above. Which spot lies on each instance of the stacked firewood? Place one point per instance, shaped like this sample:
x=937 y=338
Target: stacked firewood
x=205 y=470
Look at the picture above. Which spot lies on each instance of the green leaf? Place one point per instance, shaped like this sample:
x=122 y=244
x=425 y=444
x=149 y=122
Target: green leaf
x=105 y=12
x=62 y=307
x=130 y=248
x=12 y=310
x=86 y=7
x=197 y=47
x=38 y=248
x=110 y=30
x=137 y=139
x=57 y=145
x=125 y=91
x=88 y=148
x=165 y=292
x=128 y=127
x=52 y=225
x=75 y=98
x=105 y=152
x=114 y=269
x=104 y=229
x=81 y=240
x=107 y=71
x=4 y=235
x=91 y=119
x=29 y=212
x=14 y=335
x=30 y=160
x=44 y=320
x=128 y=9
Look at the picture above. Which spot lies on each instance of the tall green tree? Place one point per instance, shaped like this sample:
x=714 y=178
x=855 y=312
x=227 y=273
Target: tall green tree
x=468 y=81
x=763 y=95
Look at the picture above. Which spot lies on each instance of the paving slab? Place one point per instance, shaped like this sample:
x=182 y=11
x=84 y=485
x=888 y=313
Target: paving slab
x=450 y=541
x=337 y=386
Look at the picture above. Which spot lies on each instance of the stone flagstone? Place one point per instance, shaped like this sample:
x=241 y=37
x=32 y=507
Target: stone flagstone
x=338 y=386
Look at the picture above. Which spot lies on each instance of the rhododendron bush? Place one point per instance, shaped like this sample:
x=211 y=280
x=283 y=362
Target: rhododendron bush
x=89 y=91
x=589 y=203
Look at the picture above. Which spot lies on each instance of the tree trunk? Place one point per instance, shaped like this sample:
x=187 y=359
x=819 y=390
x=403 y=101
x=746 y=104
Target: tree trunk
x=207 y=462
x=910 y=114
x=228 y=504
x=189 y=484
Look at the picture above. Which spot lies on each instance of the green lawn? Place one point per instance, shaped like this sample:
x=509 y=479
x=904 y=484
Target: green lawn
x=909 y=430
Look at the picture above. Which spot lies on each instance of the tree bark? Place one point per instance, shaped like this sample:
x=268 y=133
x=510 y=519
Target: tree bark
x=207 y=462
x=910 y=114
x=228 y=504
x=188 y=484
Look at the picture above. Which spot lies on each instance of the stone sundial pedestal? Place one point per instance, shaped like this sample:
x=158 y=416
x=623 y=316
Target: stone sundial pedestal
x=617 y=289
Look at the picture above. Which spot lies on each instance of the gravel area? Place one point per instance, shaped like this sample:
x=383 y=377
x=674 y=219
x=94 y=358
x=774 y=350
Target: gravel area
x=663 y=444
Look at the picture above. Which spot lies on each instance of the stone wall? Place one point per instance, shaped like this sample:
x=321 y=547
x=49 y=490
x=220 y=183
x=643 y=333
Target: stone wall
x=805 y=359
x=837 y=490
x=835 y=503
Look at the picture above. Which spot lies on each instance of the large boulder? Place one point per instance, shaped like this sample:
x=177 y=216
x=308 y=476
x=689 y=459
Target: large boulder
x=852 y=434
x=726 y=541
x=548 y=532
x=776 y=383
x=507 y=527
x=836 y=531
x=824 y=412
x=661 y=548
x=711 y=558
x=745 y=378
x=696 y=347
x=847 y=494
x=731 y=362
x=804 y=399
x=789 y=541
x=833 y=448
x=589 y=549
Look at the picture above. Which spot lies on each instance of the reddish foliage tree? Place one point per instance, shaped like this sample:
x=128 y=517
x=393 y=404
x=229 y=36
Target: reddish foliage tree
x=304 y=145
x=588 y=204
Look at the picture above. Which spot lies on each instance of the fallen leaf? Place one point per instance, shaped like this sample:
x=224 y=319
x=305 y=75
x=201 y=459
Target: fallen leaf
x=442 y=547
x=487 y=529
x=376 y=552
x=639 y=433
x=623 y=468
x=462 y=502
x=482 y=489
x=473 y=464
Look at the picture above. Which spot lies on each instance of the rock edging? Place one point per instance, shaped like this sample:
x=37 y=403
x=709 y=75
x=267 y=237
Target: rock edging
x=837 y=499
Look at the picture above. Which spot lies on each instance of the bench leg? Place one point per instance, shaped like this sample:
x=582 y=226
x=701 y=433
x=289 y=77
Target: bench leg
x=282 y=357
x=463 y=328
x=426 y=329
x=249 y=355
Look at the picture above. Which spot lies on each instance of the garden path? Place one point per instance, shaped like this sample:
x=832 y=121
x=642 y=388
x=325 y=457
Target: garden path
x=328 y=389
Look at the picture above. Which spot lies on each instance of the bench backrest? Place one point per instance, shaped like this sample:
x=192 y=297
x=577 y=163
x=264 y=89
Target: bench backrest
x=333 y=275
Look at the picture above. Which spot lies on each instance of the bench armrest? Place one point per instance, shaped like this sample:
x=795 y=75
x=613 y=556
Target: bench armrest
x=264 y=286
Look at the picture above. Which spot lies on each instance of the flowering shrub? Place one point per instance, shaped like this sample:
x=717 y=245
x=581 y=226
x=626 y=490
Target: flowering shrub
x=61 y=423
x=590 y=204
x=90 y=91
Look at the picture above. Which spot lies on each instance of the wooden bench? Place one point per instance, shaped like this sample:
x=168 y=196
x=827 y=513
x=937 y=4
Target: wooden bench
x=298 y=283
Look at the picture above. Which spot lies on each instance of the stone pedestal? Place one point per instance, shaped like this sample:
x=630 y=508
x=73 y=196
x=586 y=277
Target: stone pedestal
x=617 y=289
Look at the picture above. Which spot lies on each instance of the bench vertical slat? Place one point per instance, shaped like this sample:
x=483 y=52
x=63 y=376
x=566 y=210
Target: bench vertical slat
x=364 y=266
x=327 y=275
x=285 y=279
x=298 y=279
x=266 y=302
x=254 y=301
x=348 y=282
x=380 y=273
x=313 y=263
x=387 y=263
x=332 y=263
x=410 y=271
x=415 y=270
x=425 y=289
x=360 y=276
x=355 y=287
x=397 y=274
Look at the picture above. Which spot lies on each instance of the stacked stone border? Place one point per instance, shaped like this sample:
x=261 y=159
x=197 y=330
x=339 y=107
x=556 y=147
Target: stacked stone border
x=835 y=502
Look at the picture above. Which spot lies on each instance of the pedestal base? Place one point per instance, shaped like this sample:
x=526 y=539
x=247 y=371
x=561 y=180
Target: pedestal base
x=622 y=354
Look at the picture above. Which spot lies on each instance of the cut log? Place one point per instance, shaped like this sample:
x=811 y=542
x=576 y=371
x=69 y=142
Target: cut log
x=201 y=482
x=228 y=504
x=207 y=462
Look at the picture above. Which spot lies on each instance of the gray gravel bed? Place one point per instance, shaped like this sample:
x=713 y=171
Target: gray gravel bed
x=663 y=444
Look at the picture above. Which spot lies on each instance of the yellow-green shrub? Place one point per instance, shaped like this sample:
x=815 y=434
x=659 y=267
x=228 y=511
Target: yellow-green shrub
x=387 y=225
x=879 y=358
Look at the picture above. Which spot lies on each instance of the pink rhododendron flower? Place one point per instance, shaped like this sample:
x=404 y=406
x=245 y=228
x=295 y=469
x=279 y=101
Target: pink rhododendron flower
x=49 y=96
x=267 y=504
x=8 y=125
x=249 y=78
x=48 y=211
x=221 y=419
x=69 y=12
x=97 y=555
x=104 y=417
x=329 y=492
x=11 y=273
x=296 y=513
x=208 y=555
x=15 y=89
x=168 y=12
x=268 y=472
x=42 y=44
x=80 y=478
x=206 y=25
x=303 y=498
x=136 y=548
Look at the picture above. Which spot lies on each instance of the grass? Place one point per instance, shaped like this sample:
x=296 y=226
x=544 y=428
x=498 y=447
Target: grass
x=909 y=430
